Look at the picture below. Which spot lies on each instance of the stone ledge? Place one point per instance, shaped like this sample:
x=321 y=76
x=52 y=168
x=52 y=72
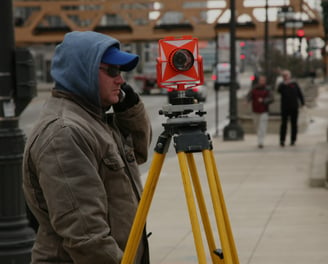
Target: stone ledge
x=319 y=166
x=326 y=182
x=246 y=121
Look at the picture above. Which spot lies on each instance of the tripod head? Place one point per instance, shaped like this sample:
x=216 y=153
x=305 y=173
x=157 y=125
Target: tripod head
x=186 y=124
x=181 y=107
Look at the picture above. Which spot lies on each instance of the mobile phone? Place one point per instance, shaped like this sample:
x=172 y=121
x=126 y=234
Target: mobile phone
x=121 y=95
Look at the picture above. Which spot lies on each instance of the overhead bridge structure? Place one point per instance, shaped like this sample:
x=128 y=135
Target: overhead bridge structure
x=42 y=22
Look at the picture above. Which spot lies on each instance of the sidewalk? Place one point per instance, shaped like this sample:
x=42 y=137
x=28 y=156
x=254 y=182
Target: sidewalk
x=276 y=217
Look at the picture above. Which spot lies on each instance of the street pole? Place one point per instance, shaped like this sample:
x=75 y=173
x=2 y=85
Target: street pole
x=324 y=5
x=233 y=131
x=294 y=36
x=301 y=19
x=16 y=237
x=266 y=44
x=284 y=39
x=216 y=87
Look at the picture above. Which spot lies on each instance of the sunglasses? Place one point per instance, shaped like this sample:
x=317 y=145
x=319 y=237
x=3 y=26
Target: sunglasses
x=111 y=71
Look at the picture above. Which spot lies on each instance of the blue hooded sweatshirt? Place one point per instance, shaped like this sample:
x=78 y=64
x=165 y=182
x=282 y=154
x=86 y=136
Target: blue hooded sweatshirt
x=75 y=64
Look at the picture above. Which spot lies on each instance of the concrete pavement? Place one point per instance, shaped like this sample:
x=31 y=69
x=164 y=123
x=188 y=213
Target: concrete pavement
x=276 y=217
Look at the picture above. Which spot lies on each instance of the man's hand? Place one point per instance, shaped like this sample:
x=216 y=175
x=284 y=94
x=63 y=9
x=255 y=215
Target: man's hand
x=130 y=99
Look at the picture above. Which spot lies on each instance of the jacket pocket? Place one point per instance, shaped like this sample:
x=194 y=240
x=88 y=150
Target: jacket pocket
x=114 y=163
x=118 y=184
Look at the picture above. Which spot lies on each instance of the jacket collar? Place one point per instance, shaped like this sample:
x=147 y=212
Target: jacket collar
x=97 y=112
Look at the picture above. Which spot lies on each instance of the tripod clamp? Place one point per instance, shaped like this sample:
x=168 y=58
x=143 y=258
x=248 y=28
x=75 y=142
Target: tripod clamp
x=189 y=132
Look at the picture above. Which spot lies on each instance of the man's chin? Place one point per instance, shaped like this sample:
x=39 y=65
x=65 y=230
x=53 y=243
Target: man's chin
x=115 y=100
x=111 y=102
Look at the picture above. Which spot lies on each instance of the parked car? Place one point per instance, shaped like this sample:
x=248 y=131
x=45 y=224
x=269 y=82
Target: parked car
x=148 y=78
x=198 y=92
x=221 y=75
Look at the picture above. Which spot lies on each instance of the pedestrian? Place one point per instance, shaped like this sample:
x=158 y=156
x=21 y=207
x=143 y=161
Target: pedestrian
x=291 y=98
x=260 y=97
x=80 y=168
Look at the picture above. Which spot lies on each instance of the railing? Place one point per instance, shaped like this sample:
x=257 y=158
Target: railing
x=128 y=20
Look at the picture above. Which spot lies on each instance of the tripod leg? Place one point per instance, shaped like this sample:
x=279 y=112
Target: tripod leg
x=143 y=208
x=192 y=208
x=203 y=209
x=225 y=212
x=224 y=227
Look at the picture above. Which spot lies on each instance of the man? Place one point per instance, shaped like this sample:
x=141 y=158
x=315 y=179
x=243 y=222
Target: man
x=80 y=168
x=260 y=97
x=291 y=98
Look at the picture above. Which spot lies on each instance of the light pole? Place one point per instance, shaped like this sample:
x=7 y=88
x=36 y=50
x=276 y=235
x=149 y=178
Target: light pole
x=216 y=86
x=285 y=16
x=16 y=237
x=324 y=5
x=282 y=19
x=233 y=131
x=266 y=42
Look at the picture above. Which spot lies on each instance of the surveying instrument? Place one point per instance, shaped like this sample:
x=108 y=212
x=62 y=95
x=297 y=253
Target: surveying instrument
x=180 y=66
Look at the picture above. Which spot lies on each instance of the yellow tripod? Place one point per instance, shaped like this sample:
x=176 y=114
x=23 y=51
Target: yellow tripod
x=189 y=134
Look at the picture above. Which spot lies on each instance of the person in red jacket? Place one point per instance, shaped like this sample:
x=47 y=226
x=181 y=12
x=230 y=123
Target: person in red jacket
x=260 y=97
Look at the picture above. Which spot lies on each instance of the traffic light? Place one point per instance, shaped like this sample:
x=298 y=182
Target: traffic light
x=242 y=46
x=324 y=5
x=300 y=33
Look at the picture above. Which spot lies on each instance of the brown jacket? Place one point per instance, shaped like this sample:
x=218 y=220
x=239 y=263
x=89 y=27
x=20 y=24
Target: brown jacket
x=81 y=180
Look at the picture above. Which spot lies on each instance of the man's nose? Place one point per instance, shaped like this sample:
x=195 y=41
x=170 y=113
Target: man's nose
x=120 y=79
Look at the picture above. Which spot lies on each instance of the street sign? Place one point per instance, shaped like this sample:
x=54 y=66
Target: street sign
x=293 y=24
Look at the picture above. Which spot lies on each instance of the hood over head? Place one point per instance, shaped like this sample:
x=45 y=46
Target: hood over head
x=76 y=61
